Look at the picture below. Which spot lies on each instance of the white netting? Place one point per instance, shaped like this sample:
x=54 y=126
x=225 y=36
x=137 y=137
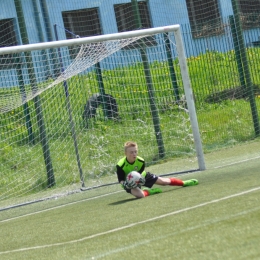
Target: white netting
x=73 y=128
x=88 y=55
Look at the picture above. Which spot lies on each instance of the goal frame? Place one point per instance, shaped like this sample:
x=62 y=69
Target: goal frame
x=176 y=29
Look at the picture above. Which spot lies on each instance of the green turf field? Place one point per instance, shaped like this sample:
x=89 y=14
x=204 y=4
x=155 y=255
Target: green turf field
x=218 y=219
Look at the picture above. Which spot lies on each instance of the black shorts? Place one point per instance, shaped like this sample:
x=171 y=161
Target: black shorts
x=150 y=180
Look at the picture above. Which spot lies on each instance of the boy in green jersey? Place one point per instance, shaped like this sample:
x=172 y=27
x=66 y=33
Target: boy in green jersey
x=132 y=162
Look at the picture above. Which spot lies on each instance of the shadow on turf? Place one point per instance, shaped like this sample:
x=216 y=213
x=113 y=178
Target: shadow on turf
x=122 y=201
x=132 y=199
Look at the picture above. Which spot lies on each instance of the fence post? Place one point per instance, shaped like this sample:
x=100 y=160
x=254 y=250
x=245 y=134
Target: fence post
x=37 y=101
x=171 y=67
x=69 y=110
x=148 y=78
x=237 y=53
x=245 y=67
x=101 y=87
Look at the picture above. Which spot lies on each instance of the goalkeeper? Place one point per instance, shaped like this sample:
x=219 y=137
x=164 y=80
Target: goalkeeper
x=132 y=162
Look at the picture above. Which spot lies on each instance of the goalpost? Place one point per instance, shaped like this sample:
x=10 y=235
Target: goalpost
x=67 y=107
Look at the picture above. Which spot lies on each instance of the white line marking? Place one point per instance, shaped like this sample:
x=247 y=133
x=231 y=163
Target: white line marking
x=61 y=206
x=229 y=164
x=146 y=241
x=133 y=224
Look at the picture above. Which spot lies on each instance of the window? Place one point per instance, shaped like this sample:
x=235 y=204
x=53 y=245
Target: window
x=84 y=22
x=7 y=38
x=250 y=13
x=204 y=18
x=125 y=17
x=126 y=21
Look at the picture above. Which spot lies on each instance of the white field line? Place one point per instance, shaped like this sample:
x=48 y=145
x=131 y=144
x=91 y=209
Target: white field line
x=133 y=224
x=233 y=163
x=182 y=231
x=61 y=206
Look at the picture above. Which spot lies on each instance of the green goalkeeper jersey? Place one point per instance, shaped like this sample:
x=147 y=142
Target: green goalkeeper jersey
x=123 y=167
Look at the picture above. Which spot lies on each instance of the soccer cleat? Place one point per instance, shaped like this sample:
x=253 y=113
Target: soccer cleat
x=153 y=191
x=191 y=182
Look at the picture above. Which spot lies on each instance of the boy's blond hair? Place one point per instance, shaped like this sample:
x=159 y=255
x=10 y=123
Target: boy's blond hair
x=130 y=144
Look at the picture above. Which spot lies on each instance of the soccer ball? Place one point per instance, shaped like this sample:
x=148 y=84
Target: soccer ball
x=135 y=179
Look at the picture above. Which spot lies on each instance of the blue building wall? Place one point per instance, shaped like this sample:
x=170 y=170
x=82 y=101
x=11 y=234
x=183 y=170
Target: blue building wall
x=162 y=12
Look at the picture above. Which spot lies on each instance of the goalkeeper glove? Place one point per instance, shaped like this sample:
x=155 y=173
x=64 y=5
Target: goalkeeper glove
x=141 y=181
x=127 y=186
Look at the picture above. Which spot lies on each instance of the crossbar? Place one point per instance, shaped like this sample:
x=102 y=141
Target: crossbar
x=86 y=40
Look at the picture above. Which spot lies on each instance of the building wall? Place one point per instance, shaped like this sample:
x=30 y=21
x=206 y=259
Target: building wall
x=162 y=12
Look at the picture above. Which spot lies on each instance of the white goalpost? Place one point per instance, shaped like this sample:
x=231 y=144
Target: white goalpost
x=189 y=99
x=68 y=106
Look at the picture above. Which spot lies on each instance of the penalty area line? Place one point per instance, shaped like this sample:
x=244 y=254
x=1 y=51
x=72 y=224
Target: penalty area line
x=133 y=224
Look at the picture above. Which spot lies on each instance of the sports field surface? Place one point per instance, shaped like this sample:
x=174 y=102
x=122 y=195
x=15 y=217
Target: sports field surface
x=218 y=219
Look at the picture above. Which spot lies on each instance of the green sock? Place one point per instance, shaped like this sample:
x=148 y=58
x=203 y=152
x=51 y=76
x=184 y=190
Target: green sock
x=153 y=191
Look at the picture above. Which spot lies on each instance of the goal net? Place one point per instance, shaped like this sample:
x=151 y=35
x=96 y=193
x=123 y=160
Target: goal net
x=67 y=108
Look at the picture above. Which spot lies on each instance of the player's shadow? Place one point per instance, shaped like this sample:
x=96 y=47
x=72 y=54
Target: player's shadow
x=122 y=201
x=133 y=199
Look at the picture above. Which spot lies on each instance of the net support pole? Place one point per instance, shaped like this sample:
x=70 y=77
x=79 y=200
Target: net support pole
x=72 y=125
x=189 y=99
